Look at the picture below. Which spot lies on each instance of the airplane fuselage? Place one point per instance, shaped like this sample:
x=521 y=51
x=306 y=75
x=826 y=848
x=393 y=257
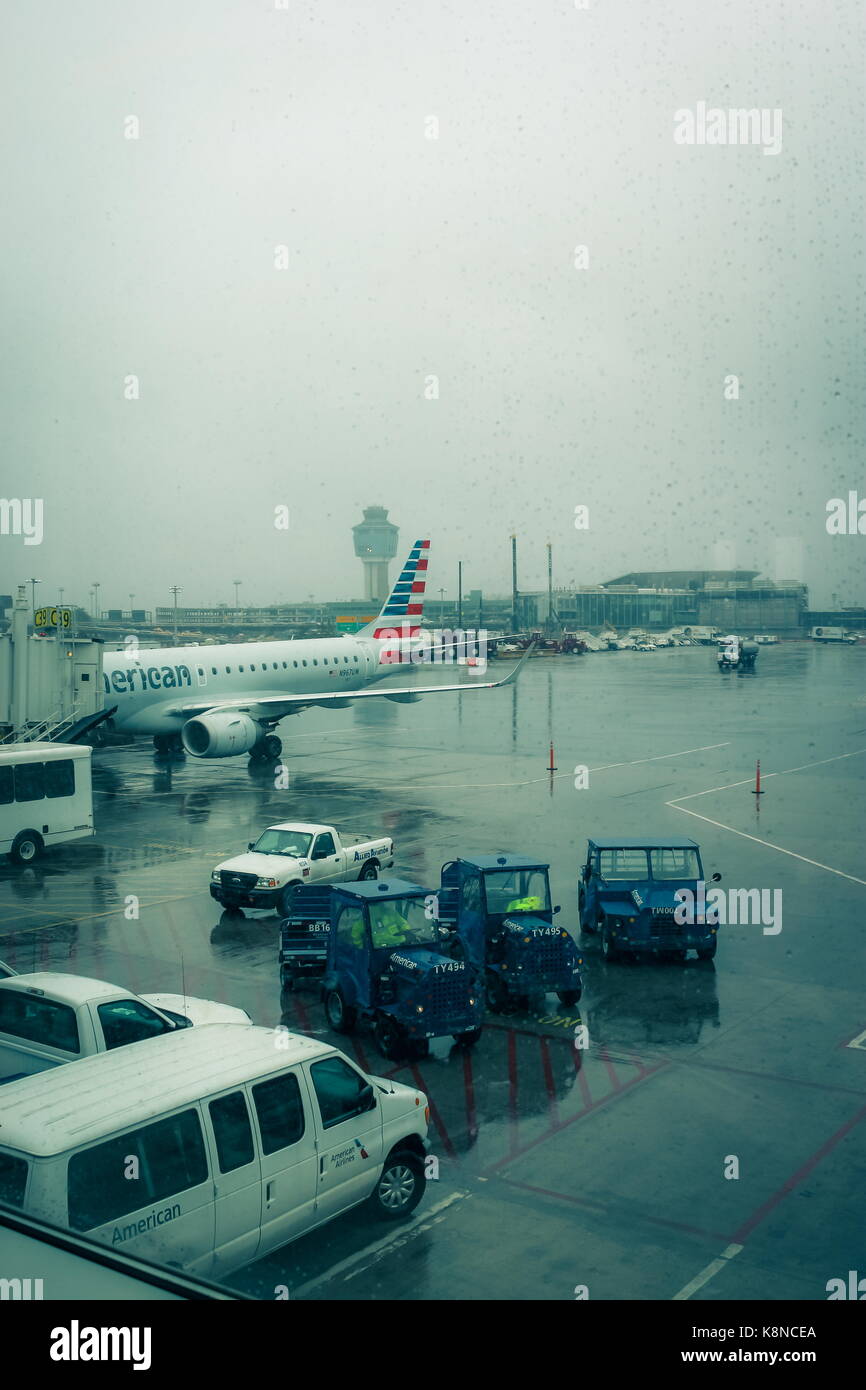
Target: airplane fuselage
x=149 y=686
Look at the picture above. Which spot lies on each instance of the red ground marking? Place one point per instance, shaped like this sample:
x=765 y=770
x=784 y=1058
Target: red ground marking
x=550 y=1084
x=611 y=1069
x=603 y=1210
x=739 y=1237
x=434 y=1113
x=596 y=1105
x=512 y=1091
x=583 y=1080
x=469 y=1089
x=361 y=1055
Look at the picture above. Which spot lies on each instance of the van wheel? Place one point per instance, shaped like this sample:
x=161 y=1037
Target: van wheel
x=27 y=846
x=370 y=870
x=340 y=1016
x=400 y=1186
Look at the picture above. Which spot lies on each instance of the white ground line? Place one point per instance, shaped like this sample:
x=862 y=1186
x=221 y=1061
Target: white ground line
x=859 y=1042
x=379 y=1247
x=706 y=1274
x=765 y=776
x=768 y=845
x=675 y=804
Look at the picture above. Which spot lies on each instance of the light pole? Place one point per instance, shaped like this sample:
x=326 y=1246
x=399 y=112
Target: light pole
x=460 y=594
x=237 y=583
x=33 y=583
x=441 y=607
x=96 y=599
x=131 y=603
x=175 y=590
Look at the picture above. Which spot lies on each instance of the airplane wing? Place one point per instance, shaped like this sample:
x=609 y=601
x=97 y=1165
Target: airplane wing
x=269 y=706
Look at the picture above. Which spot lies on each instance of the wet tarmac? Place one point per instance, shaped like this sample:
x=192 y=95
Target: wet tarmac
x=559 y=1167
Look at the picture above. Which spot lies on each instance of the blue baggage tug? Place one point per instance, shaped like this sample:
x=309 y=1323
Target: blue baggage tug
x=628 y=895
x=382 y=957
x=499 y=904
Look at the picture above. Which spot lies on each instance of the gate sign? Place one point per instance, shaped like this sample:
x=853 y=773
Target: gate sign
x=52 y=617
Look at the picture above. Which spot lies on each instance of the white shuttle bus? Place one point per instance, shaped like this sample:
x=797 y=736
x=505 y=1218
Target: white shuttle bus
x=46 y=797
x=210 y=1147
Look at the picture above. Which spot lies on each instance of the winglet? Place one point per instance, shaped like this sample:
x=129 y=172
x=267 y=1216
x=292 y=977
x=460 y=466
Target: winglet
x=517 y=667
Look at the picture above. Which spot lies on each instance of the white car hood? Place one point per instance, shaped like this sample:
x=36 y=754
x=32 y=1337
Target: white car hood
x=197 y=1010
x=262 y=865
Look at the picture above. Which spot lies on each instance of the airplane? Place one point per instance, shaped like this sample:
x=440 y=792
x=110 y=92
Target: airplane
x=224 y=701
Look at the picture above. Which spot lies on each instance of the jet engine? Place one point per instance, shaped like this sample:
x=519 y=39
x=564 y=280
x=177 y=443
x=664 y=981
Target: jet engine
x=220 y=735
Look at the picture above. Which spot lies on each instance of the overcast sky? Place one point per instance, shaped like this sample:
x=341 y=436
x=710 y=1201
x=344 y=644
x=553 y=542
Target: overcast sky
x=412 y=257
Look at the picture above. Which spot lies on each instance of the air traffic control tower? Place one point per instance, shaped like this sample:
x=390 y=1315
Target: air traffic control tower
x=375 y=546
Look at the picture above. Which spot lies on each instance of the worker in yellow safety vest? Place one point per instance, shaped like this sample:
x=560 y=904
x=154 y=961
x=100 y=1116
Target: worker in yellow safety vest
x=532 y=903
x=388 y=927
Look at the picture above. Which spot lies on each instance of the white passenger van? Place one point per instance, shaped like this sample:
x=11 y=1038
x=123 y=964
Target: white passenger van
x=46 y=797
x=210 y=1147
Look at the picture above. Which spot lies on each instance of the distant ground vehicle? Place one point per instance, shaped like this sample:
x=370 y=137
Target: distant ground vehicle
x=766 y=639
x=500 y=906
x=736 y=652
x=833 y=634
x=627 y=893
x=644 y=646
x=242 y=1146
x=46 y=797
x=387 y=961
x=292 y=853
x=47 y=1018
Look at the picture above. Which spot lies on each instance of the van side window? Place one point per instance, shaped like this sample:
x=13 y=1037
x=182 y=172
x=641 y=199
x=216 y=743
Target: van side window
x=127 y=1021
x=38 y=1020
x=13 y=1180
x=170 y=1158
x=60 y=778
x=29 y=781
x=280 y=1110
x=231 y=1126
x=6 y=791
x=338 y=1090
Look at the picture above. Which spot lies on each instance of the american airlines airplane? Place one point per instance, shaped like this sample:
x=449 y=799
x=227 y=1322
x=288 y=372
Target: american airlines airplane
x=222 y=701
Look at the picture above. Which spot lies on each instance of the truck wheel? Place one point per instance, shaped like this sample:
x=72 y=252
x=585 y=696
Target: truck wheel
x=497 y=994
x=284 y=901
x=27 y=846
x=568 y=996
x=389 y=1038
x=370 y=870
x=708 y=952
x=467 y=1039
x=609 y=948
x=400 y=1186
x=340 y=1016
x=287 y=978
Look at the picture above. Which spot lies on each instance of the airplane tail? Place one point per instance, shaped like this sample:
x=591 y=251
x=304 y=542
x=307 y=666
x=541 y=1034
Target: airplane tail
x=402 y=610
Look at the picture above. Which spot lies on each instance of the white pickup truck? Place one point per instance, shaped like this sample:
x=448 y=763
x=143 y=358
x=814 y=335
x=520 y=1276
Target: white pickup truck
x=292 y=853
x=47 y=1018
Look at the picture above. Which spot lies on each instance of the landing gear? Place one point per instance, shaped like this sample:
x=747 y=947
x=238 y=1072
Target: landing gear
x=168 y=746
x=267 y=750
